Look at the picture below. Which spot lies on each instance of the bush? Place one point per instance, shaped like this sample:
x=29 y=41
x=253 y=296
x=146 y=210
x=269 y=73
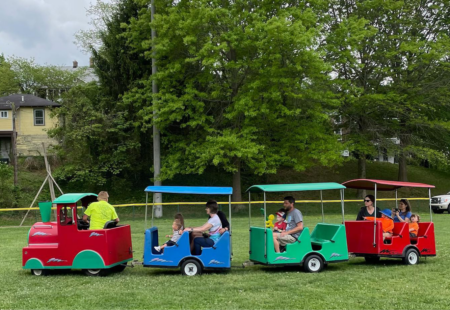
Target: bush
x=6 y=186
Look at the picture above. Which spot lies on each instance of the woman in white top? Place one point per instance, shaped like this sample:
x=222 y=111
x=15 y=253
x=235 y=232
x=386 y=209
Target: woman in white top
x=213 y=226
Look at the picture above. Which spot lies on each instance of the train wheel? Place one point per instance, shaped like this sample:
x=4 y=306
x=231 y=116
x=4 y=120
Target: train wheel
x=95 y=272
x=119 y=268
x=39 y=272
x=313 y=264
x=372 y=259
x=191 y=268
x=411 y=257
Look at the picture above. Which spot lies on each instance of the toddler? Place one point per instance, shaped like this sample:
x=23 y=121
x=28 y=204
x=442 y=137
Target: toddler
x=387 y=223
x=280 y=225
x=176 y=226
x=414 y=225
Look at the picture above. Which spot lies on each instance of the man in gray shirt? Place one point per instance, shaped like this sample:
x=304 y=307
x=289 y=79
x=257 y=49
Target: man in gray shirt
x=294 y=227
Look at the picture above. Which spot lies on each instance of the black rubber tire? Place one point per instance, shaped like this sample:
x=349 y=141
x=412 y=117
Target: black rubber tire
x=411 y=257
x=39 y=272
x=372 y=259
x=96 y=272
x=191 y=267
x=448 y=209
x=313 y=263
x=119 y=268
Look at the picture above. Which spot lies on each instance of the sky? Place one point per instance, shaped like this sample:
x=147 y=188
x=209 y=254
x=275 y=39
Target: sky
x=44 y=30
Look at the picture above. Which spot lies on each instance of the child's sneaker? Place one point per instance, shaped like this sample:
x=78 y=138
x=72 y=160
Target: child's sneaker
x=157 y=248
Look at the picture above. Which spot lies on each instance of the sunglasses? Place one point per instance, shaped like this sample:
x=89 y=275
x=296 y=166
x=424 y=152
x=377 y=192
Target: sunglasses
x=367 y=200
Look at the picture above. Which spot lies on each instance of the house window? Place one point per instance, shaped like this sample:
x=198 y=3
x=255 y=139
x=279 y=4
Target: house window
x=39 y=117
x=3 y=114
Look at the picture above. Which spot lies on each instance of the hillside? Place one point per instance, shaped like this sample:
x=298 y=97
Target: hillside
x=122 y=192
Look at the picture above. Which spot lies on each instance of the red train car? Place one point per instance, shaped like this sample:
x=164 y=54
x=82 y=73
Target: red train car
x=67 y=244
x=365 y=238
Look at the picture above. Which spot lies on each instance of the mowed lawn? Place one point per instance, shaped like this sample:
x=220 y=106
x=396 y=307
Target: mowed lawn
x=349 y=285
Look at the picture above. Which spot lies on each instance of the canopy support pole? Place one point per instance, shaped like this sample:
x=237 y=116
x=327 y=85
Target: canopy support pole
x=429 y=203
x=249 y=210
x=342 y=205
x=265 y=228
x=321 y=202
x=146 y=205
x=229 y=210
x=249 y=221
x=153 y=208
x=375 y=218
x=396 y=199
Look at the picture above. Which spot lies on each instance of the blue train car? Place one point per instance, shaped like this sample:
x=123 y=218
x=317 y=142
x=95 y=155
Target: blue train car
x=179 y=255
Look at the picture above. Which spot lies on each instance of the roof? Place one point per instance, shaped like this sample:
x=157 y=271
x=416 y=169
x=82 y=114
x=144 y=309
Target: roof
x=74 y=198
x=382 y=185
x=5 y=106
x=294 y=187
x=198 y=190
x=28 y=101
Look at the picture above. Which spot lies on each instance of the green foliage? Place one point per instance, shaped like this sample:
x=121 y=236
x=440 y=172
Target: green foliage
x=6 y=185
x=101 y=142
x=391 y=60
x=33 y=78
x=8 y=81
x=240 y=84
x=94 y=141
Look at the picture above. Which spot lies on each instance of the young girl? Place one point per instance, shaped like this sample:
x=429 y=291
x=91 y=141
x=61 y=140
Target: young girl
x=280 y=225
x=414 y=225
x=176 y=226
x=180 y=217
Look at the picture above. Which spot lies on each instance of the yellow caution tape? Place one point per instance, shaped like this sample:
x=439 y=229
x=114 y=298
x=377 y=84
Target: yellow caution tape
x=221 y=203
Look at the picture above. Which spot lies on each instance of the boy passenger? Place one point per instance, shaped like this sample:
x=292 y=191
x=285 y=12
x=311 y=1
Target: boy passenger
x=294 y=227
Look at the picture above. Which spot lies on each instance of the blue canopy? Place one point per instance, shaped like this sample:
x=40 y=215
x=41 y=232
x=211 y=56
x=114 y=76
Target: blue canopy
x=190 y=190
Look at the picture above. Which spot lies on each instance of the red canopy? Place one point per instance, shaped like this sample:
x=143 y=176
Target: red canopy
x=382 y=185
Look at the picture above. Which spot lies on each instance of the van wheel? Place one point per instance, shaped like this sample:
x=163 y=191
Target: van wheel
x=411 y=257
x=313 y=263
x=95 y=272
x=39 y=272
x=191 y=268
x=372 y=259
x=448 y=209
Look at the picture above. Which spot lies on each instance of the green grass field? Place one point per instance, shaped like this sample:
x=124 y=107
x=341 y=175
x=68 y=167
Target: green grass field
x=349 y=285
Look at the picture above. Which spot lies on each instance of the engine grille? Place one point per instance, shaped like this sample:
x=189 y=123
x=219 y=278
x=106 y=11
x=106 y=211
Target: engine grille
x=435 y=200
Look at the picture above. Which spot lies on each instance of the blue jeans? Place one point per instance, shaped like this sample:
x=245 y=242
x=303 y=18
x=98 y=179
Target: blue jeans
x=202 y=242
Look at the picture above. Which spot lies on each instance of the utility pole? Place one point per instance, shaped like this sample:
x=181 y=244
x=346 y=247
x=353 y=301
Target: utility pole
x=14 y=143
x=157 y=197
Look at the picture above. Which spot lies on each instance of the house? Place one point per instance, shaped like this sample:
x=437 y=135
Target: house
x=33 y=119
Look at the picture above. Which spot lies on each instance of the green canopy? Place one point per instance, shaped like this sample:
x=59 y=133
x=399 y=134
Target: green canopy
x=295 y=187
x=74 y=198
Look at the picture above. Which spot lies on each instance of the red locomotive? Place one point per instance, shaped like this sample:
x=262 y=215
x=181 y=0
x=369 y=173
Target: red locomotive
x=68 y=244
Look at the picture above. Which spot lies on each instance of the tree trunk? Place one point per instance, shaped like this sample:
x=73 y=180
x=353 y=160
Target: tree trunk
x=237 y=193
x=361 y=193
x=402 y=171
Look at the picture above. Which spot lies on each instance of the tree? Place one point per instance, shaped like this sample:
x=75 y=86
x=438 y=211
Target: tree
x=418 y=62
x=390 y=59
x=101 y=138
x=8 y=81
x=241 y=86
x=33 y=78
x=100 y=13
